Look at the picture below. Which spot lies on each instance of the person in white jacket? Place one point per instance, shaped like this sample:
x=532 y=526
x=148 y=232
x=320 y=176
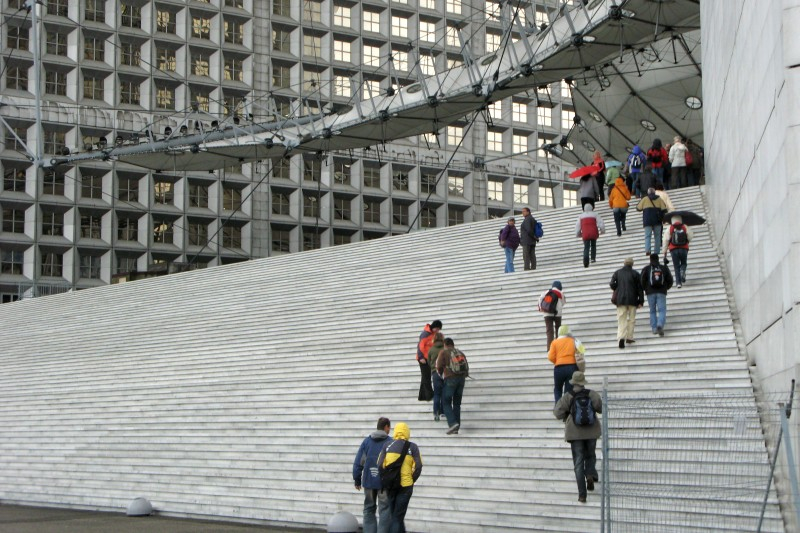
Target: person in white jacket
x=677 y=158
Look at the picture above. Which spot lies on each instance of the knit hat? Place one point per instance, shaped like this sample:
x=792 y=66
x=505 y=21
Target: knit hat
x=628 y=261
x=557 y=285
x=578 y=378
x=436 y=324
x=563 y=330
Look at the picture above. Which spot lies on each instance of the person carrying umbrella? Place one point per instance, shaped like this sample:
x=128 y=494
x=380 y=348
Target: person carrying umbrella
x=678 y=235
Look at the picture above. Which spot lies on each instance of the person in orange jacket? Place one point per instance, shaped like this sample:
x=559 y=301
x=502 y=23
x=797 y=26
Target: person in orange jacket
x=426 y=339
x=565 y=355
x=618 y=202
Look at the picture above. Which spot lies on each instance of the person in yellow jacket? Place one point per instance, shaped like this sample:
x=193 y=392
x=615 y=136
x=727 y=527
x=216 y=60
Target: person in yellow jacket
x=566 y=353
x=409 y=473
x=618 y=198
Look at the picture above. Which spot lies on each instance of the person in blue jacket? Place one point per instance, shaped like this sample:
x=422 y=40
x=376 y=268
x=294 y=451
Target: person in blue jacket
x=365 y=474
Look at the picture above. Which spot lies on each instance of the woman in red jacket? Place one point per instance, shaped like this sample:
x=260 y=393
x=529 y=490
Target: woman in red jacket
x=657 y=156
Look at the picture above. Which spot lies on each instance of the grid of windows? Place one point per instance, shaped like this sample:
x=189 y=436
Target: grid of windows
x=567 y=116
x=52 y=265
x=455 y=186
x=399 y=26
x=400 y=214
x=544 y=116
x=372 y=21
x=494 y=190
x=232 y=236
x=201 y=27
x=56 y=43
x=231 y=198
x=519 y=112
x=545 y=196
x=90 y=226
x=372 y=211
x=519 y=143
x=13 y=220
x=570 y=197
x=312 y=10
x=521 y=193
x=234 y=32
x=454 y=135
x=372 y=55
x=341 y=16
x=454 y=216
x=342 y=50
x=492 y=42
x=427 y=31
x=11 y=262
x=127 y=229
x=495 y=110
x=197 y=233
x=494 y=141
x=90 y=267
x=55 y=83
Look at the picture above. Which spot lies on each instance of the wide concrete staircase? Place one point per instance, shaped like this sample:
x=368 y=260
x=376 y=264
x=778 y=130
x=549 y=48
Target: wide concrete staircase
x=242 y=392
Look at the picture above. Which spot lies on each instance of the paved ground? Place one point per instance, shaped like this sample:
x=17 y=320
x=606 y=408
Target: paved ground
x=19 y=519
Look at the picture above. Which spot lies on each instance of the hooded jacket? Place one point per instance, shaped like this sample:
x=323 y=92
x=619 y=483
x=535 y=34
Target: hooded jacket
x=628 y=284
x=589 y=225
x=611 y=176
x=510 y=236
x=636 y=152
x=562 y=411
x=653 y=209
x=619 y=195
x=649 y=289
x=677 y=154
x=412 y=465
x=424 y=344
x=562 y=350
x=365 y=465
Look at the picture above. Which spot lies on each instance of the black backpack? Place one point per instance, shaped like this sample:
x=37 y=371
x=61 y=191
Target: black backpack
x=581 y=409
x=679 y=236
x=549 y=303
x=390 y=475
x=655 y=156
x=656 y=277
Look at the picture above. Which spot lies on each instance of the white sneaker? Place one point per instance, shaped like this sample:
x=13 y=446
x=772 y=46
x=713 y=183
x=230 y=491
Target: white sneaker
x=452 y=429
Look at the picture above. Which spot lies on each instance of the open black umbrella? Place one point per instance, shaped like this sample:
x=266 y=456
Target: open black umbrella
x=688 y=217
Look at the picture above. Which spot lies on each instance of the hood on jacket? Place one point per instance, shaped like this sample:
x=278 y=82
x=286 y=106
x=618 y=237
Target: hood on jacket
x=587 y=208
x=637 y=150
x=619 y=183
x=563 y=331
x=378 y=435
x=401 y=431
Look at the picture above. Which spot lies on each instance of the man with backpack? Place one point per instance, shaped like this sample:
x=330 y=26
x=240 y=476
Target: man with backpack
x=656 y=281
x=551 y=304
x=579 y=409
x=400 y=465
x=635 y=166
x=678 y=236
x=366 y=475
x=529 y=233
x=453 y=367
x=653 y=210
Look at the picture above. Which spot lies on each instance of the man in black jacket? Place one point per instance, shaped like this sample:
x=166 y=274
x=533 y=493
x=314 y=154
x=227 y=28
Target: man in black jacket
x=629 y=296
x=528 y=240
x=656 y=281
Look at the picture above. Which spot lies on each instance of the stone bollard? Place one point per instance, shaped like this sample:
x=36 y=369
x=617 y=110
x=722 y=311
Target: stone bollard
x=343 y=522
x=140 y=507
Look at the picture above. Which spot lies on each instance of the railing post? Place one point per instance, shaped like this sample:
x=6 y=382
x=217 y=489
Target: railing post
x=790 y=462
x=605 y=499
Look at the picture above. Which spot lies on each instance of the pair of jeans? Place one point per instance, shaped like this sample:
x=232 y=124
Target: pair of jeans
x=453 y=391
x=620 y=213
x=376 y=498
x=438 y=387
x=589 y=248
x=658 y=174
x=658 y=310
x=655 y=233
x=425 y=388
x=585 y=461
x=679 y=257
x=626 y=320
x=529 y=256
x=398 y=504
x=509 y=259
x=561 y=376
x=551 y=325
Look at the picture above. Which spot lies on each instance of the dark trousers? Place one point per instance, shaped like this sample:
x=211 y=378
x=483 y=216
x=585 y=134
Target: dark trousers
x=529 y=256
x=679 y=177
x=551 y=325
x=620 y=214
x=425 y=388
x=679 y=257
x=561 y=376
x=584 y=459
x=589 y=247
x=398 y=503
x=601 y=180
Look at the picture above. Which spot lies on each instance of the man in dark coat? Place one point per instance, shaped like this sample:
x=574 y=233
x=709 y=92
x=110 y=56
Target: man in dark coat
x=365 y=474
x=582 y=439
x=628 y=296
x=656 y=281
x=528 y=240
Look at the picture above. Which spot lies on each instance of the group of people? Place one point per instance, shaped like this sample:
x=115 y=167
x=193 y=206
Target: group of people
x=675 y=165
x=511 y=239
